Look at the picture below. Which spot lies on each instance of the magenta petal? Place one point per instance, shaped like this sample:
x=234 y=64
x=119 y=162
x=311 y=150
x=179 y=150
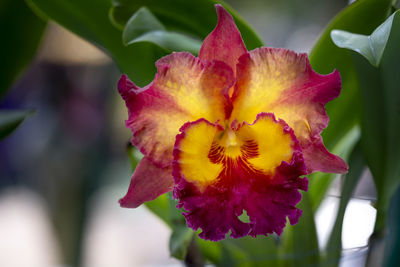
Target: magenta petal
x=269 y=198
x=147 y=183
x=270 y=202
x=282 y=82
x=184 y=89
x=318 y=158
x=224 y=43
x=215 y=211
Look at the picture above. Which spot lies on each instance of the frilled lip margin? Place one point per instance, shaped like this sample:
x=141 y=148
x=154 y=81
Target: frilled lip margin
x=228 y=83
x=267 y=199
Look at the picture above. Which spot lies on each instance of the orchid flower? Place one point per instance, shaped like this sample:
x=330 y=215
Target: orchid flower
x=230 y=131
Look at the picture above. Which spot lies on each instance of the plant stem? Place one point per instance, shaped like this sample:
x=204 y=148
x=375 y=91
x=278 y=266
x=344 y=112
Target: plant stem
x=194 y=257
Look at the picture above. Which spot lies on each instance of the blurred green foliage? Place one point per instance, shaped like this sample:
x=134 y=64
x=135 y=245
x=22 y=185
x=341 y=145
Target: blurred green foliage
x=379 y=81
x=136 y=33
x=195 y=18
x=10 y=119
x=143 y=26
x=333 y=249
x=91 y=22
x=362 y=16
x=22 y=31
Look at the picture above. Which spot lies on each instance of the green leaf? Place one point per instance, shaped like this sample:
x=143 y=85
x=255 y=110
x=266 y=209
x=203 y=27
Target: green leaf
x=195 y=18
x=22 y=31
x=380 y=96
x=182 y=236
x=134 y=155
x=90 y=21
x=10 y=119
x=164 y=207
x=141 y=22
x=370 y=46
x=334 y=247
x=171 y=41
x=212 y=251
x=300 y=247
x=325 y=57
x=143 y=26
x=161 y=207
x=248 y=251
x=343 y=112
x=380 y=121
x=396 y=4
x=179 y=241
x=245 y=251
x=392 y=240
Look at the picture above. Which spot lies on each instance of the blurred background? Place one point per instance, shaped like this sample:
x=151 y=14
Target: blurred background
x=64 y=169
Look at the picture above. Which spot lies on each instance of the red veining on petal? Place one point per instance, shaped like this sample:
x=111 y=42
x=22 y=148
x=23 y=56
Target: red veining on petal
x=227 y=84
x=184 y=89
x=268 y=198
x=248 y=150
x=283 y=82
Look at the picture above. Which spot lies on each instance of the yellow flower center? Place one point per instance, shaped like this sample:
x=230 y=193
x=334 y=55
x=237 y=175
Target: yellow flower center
x=209 y=153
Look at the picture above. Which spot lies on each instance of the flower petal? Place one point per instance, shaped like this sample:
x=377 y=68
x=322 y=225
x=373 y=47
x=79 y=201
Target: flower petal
x=282 y=82
x=191 y=153
x=147 y=183
x=224 y=43
x=221 y=172
x=183 y=90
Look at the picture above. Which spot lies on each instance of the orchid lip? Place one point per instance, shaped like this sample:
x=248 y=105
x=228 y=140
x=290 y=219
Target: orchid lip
x=237 y=129
x=233 y=157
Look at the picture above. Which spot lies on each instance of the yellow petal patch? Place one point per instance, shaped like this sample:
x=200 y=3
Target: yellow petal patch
x=195 y=90
x=184 y=90
x=282 y=82
x=206 y=153
x=194 y=146
x=273 y=142
x=264 y=76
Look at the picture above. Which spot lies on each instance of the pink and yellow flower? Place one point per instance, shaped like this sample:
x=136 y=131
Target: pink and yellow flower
x=230 y=131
